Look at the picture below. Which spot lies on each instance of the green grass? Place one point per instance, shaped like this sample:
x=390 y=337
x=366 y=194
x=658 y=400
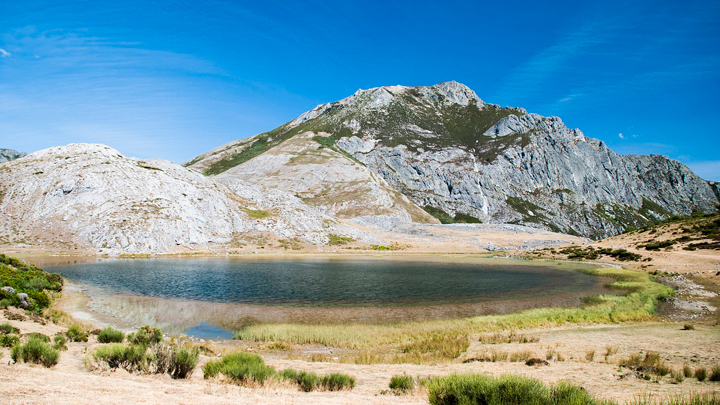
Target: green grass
x=507 y=389
x=638 y=304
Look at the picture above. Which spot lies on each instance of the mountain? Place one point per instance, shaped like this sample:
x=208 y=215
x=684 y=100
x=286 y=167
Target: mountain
x=85 y=197
x=7 y=155
x=462 y=160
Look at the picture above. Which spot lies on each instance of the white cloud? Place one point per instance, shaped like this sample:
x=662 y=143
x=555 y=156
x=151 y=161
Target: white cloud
x=4 y=53
x=621 y=136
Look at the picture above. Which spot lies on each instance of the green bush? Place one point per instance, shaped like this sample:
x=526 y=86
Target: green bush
x=306 y=380
x=76 y=334
x=60 y=342
x=402 y=383
x=182 y=362
x=146 y=335
x=35 y=351
x=110 y=335
x=701 y=373
x=131 y=358
x=9 y=340
x=478 y=389
x=337 y=382
x=241 y=367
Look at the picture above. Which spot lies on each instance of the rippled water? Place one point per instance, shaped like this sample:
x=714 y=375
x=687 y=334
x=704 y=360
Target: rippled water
x=327 y=282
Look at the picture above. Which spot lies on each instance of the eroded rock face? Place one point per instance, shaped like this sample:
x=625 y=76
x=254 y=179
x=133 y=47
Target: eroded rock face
x=7 y=155
x=446 y=149
x=85 y=196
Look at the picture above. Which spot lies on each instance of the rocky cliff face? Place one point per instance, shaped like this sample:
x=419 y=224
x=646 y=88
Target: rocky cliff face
x=468 y=161
x=7 y=155
x=90 y=197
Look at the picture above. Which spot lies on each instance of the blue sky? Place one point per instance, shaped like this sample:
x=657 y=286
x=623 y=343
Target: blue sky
x=173 y=79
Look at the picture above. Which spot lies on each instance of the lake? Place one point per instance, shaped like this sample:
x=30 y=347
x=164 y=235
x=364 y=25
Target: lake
x=183 y=292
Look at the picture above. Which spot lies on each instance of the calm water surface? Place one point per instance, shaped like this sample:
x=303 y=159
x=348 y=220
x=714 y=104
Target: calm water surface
x=326 y=282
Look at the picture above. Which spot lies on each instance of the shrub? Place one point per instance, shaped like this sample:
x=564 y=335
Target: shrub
x=306 y=380
x=240 y=367
x=701 y=373
x=402 y=383
x=76 y=334
x=688 y=326
x=131 y=358
x=9 y=340
x=60 y=342
x=26 y=278
x=182 y=362
x=337 y=382
x=146 y=335
x=35 y=351
x=478 y=389
x=110 y=335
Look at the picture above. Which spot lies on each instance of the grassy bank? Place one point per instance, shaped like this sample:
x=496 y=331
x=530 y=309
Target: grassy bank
x=638 y=304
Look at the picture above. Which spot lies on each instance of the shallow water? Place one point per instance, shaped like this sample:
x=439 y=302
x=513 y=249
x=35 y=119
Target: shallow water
x=326 y=282
x=178 y=294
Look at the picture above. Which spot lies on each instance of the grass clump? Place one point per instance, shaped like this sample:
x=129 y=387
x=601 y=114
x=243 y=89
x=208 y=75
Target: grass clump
x=402 y=383
x=701 y=373
x=9 y=340
x=241 y=367
x=37 y=351
x=6 y=329
x=507 y=389
x=183 y=362
x=76 y=334
x=715 y=373
x=434 y=347
x=110 y=335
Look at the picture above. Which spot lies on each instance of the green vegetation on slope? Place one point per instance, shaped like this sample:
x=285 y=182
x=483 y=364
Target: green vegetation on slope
x=26 y=278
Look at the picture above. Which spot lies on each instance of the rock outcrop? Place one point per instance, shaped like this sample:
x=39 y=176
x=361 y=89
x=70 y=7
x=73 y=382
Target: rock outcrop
x=466 y=160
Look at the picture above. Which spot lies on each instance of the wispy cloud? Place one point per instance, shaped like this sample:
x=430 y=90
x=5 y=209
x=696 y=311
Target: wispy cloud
x=537 y=72
x=4 y=53
x=621 y=136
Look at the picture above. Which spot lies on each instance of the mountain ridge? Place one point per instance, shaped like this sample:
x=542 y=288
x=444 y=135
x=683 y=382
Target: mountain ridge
x=458 y=156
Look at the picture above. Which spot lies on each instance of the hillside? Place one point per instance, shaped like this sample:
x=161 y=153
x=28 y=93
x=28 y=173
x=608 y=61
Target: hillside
x=84 y=197
x=465 y=160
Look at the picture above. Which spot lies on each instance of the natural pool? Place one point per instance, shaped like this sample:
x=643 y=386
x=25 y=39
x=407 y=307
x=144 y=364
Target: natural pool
x=180 y=293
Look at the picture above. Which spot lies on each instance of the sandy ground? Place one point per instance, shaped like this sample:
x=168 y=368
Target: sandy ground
x=71 y=382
